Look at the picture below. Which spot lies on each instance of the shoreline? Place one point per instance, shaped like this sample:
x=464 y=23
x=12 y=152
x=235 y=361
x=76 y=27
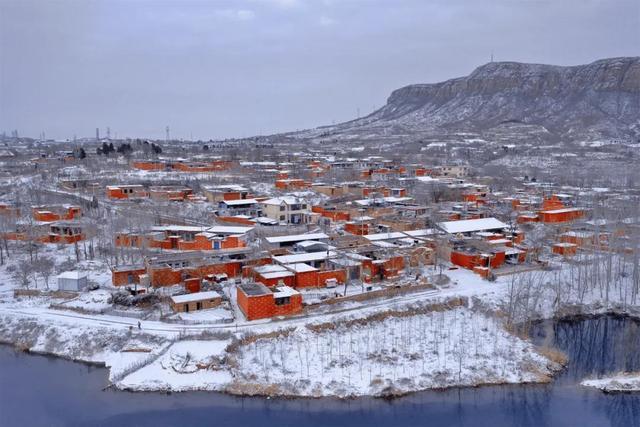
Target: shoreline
x=236 y=388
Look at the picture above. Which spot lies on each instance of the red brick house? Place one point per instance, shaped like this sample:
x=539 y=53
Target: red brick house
x=256 y=301
x=127 y=191
x=56 y=213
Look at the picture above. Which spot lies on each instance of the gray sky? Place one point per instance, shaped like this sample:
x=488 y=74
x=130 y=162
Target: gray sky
x=216 y=69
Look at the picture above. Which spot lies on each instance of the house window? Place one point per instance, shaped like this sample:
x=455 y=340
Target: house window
x=283 y=301
x=281 y=208
x=304 y=206
x=282 y=217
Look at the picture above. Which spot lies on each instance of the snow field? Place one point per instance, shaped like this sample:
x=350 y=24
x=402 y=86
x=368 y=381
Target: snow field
x=397 y=355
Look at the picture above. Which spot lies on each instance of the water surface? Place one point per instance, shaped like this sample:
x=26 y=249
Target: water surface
x=45 y=391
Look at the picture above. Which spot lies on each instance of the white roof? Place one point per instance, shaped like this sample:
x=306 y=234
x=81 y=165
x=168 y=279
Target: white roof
x=185 y=228
x=287 y=200
x=284 y=291
x=296 y=238
x=301 y=267
x=308 y=257
x=196 y=296
x=239 y=202
x=470 y=225
x=367 y=202
x=399 y=234
x=74 y=275
x=564 y=210
x=228 y=229
x=273 y=271
x=269 y=268
x=311 y=243
x=564 y=245
x=265 y=220
x=234 y=187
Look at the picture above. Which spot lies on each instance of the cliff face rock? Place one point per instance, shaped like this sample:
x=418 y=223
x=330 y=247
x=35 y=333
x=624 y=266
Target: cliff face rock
x=597 y=100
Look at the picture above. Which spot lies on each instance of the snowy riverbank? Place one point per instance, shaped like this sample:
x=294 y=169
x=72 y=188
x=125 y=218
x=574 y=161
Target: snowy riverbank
x=621 y=383
x=420 y=348
x=450 y=337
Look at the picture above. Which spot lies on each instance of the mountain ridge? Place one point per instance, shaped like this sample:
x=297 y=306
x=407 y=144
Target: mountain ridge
x=591 y=101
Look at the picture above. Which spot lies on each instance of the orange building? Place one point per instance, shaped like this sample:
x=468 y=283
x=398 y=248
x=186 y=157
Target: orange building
x=170 y=193
x=119 y=192
x=561 y=215
x=186 y=238
x=56 y=213
x=149 y=165
x=564 y=249
x=256 y=301
x=292 y=184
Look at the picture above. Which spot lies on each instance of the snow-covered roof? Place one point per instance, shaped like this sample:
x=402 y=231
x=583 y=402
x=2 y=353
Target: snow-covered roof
x=287 y=200
x=231 y=187
x=239 y=202
x=196 y=296
x=563 y=210
x=273 y=271
x=284 y=291
x=228 y=229
x=184 y=228
x=471 y=225
x=308 y=257
x=296 y=238
x=565 y=245
x=266 y=220
x=367 y=202
x=73 y=275
x=399 y=234
x=301 y=267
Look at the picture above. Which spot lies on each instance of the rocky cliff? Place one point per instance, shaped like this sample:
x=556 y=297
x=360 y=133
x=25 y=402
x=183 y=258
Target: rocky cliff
x=597 y=100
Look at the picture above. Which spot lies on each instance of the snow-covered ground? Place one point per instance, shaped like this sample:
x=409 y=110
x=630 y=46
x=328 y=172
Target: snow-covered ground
x=625 y=382
x=186 y=365
x=455 y=347
x=431 y=338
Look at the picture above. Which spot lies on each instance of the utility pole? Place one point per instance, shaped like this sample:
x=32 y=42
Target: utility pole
x=166 y=137
x=97 y=134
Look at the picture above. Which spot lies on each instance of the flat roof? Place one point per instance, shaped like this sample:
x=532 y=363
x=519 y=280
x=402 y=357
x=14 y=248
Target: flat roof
x=227 y=229
x=399 y=234
x=284 y=291
x=470 y=225
x=239 y=202
x=564 y=210
x=301 y=267
x=296 y=238
x=196 y=296
x=308 y=257
x=75 y=275
x=254 y=289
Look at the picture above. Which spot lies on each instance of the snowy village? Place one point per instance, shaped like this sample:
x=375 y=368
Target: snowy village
x=319 y=213
x=309 y=270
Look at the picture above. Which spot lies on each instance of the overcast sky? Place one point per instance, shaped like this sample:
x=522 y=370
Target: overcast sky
x=216 y=69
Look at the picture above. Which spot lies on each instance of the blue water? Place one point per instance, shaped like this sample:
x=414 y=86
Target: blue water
x=44 y=391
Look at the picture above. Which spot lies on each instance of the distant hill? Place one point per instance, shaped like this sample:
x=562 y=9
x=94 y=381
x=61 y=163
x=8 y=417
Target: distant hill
x=600 y=100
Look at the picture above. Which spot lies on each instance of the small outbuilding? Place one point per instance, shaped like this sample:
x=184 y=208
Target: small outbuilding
x=195 y=301
x=74 y=281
